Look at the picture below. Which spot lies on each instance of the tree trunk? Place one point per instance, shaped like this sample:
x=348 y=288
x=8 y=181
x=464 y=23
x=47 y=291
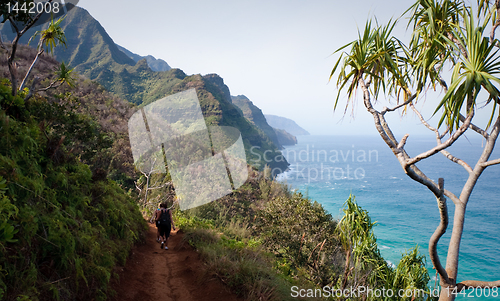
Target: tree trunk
x=146 y=193
x=346 y=270
x=23 y=83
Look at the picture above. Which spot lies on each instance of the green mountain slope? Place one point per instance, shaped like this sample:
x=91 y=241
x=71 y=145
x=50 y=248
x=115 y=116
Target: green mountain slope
x=255 y=115
x=285 y=138
x=94 y=54
x=217 y=109
x=153 y=63
x=108 y=111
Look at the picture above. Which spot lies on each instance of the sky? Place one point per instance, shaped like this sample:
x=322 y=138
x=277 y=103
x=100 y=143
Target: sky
x=277 y=53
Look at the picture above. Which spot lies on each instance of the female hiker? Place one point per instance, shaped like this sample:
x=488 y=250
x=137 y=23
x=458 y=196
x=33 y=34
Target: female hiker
x=157 y=223
x=164 y=220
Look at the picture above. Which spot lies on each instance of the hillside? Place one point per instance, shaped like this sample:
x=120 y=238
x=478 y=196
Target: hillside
x=108 y=111
x=285 y=138
x=64 y=225
x=286 y=124
x=153 y=63
x=88 y=44
x=255 y=115
x=94 y=54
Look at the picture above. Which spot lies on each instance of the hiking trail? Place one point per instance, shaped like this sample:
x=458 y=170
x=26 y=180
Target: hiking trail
x=175 y=274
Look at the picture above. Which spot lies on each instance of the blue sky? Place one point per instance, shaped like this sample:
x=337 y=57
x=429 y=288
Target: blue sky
x=277 y=53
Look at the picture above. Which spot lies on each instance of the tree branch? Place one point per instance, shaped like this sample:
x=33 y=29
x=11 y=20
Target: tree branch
x=440 y=230
x=32 y=88
x=452 y=196
x=402 y=143
x=25 y=79
x=469 y=284
x=491 y=162
x=382 y=127
x=459 y=44
x=19 y=34
x=490 y=144
x=497 y=23
x=446 y=144
x=161 y=186
x=32 y=22
x=136 y=186
x=386 y=109
x=439 y=142
x=475 y=128
x=422 y=120
x=52 y=85
x=387 y=137
x=457 y=160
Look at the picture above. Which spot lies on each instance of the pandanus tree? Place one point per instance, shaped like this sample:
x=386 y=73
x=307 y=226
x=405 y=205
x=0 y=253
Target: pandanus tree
x=452 y=48
x=366 y=268
x=21 y=21
x=49 y=38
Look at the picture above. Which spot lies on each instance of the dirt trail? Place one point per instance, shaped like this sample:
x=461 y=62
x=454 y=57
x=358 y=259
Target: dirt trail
x=174 y=274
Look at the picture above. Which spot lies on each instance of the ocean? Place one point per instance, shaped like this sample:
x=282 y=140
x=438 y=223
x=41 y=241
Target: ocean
x=329 y=168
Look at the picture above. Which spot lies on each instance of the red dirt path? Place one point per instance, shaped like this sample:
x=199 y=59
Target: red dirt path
x=173 y=275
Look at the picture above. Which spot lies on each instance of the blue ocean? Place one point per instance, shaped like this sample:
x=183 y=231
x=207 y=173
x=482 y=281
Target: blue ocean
x=329 y=168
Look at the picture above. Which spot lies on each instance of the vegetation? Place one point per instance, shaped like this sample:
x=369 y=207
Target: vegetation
x=447 y=34
x=88 y=98
x=264 y=239
x=255 y=115
x=65 y=159
x=252 y=256
x=365 y=267
x=64 y=225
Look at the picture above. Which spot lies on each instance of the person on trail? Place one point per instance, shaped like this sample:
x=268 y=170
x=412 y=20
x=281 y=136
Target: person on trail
x=164 y=220
x=157 y=223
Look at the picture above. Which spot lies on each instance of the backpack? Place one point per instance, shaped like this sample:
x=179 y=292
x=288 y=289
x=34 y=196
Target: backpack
x=164 y=219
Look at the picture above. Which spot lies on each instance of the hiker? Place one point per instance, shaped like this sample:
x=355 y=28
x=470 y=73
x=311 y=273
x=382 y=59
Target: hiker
x=157 y=223
x=164 y=220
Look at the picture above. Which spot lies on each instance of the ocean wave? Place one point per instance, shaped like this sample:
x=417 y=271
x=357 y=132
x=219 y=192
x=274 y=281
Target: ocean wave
x=392 y=265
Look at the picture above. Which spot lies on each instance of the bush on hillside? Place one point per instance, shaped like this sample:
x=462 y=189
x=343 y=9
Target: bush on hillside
x=64 y=226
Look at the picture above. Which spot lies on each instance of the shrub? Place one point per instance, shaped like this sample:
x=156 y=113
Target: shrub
x=63 y=229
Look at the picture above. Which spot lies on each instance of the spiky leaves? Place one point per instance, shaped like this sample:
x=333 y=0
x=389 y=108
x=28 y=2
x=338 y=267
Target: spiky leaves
x=51 y=36
x=444 y=33
x=376 y=56
x=433 y=22
x=477 y=69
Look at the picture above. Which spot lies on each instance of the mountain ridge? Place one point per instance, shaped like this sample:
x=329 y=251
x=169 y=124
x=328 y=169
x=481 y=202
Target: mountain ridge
x=153 y=63
x=286 y=124
x=93 y=53
x=255 y=115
